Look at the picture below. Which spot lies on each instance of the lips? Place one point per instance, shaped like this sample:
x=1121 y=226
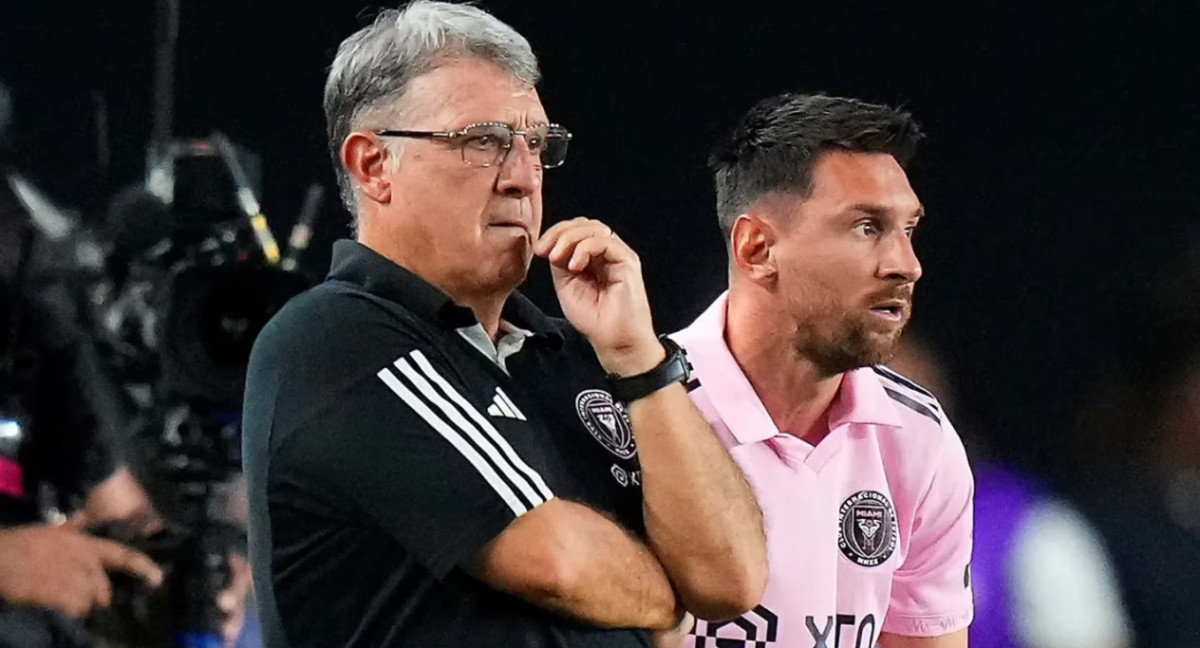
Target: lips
x=894 y=309
x=516 y=225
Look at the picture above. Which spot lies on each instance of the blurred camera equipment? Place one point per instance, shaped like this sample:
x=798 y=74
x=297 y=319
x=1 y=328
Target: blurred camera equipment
x=200 y=277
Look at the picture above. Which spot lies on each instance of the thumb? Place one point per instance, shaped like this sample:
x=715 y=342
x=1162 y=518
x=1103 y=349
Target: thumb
x=79 y=521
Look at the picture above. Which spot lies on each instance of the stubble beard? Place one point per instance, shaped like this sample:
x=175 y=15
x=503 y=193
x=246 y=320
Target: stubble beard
x=845 y=342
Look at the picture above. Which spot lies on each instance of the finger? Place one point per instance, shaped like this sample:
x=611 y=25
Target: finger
x=93 y=585
x=570 y=233
x=594 y=248
x=121 y=558
x=550 y=236
x=84 y=590
x=80 y=602
x=101 y=585
x=227 y=602
x=243 y=577
x=565 y=245
x=78 y=522
x=232 y=627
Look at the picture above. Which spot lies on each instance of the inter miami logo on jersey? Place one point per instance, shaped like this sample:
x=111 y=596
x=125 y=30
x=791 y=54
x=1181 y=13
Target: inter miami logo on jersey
x=867 y=528
x=607 y=421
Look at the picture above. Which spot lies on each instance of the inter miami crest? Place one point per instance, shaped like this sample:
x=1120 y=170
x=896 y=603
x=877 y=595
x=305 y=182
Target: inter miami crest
x=867 y=528
x=607 y=421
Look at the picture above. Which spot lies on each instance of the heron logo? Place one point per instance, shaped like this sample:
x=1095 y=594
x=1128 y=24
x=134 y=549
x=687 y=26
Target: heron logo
x=867 y=528
x=607 y=421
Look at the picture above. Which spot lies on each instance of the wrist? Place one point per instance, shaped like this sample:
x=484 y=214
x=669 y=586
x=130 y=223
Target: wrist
x=632 y=360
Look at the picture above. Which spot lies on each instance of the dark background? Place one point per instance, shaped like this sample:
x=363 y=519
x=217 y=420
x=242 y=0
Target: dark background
x=1060 y=176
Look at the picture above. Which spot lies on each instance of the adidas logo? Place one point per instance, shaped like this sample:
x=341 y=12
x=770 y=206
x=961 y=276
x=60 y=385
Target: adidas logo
x=503 y=407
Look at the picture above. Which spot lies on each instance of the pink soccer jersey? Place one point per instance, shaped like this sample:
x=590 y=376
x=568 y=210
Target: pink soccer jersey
x=867 y=532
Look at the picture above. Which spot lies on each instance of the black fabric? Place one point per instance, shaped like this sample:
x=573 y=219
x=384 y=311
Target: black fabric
x=52 y=390
x=30 y=627
x=376 y=472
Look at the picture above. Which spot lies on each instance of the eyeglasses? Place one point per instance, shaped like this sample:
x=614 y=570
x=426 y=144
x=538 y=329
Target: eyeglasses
x=488 y=143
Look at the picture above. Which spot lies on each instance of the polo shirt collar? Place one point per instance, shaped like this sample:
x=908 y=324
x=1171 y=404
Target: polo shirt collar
x=860 y=398
x=358 y=264
x=725 y=385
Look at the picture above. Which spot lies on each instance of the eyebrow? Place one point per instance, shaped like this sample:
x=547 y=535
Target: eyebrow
x=881 y=212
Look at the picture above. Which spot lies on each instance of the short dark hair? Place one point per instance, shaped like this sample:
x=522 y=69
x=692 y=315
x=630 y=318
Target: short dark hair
x=774 y=146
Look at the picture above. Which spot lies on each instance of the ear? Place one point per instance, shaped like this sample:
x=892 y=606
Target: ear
x=750 y=245
x=365 y=158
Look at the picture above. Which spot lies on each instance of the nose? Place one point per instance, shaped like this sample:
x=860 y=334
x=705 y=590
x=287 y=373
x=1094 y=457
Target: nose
x=520 y=171
x=899 y=260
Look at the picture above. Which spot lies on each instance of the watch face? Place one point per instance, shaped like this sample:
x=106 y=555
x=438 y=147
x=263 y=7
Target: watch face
x=676 y=353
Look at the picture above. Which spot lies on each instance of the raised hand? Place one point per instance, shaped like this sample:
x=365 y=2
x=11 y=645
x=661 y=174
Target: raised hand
x=598 y=279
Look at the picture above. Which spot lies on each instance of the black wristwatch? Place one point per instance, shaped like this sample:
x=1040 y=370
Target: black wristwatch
x=673 y=369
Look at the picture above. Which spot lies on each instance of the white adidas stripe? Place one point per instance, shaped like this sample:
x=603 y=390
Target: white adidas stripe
x=512 y=407
x=486 y=441
x=455 y=438
x=484 y=424
x=502 y=405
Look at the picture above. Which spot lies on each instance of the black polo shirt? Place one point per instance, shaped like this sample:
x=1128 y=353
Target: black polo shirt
x=383 y=451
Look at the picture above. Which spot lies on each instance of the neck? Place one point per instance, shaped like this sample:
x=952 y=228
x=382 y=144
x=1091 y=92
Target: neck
x=794 y=391
x=486 y=302
x=486 y=308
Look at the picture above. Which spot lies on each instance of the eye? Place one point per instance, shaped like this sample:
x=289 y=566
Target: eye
x=868 y=228
x=909 y=231
x=482 y=142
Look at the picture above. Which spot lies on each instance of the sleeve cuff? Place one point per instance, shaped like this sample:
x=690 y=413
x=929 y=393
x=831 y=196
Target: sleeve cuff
x=469 y=542
x=928 y=626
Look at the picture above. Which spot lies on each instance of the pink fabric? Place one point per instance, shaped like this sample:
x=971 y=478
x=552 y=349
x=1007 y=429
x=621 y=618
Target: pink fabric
x=869 y=531
x=11 y=480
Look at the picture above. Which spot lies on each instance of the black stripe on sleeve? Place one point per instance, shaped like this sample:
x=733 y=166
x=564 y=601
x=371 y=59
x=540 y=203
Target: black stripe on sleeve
x=919 y=408
x=888 y=373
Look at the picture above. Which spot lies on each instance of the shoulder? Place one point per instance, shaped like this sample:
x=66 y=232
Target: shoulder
x=926 y=435
x=336 y=319
x=919 y=409
x=325 y=341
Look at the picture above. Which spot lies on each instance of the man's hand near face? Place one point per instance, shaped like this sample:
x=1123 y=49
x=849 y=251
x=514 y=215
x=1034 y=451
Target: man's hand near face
x=702 y=520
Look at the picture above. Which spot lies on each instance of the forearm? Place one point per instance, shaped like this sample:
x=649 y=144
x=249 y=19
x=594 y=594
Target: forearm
x=702 y=519
x=582 y=565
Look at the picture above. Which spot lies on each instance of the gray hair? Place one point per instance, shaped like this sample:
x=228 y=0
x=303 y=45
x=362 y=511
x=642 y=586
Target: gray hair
x=374 y=66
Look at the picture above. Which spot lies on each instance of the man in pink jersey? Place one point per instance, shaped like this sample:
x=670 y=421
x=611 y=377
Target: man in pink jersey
x=863 y=482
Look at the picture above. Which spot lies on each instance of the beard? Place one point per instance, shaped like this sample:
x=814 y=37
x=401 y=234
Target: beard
x=838 y=340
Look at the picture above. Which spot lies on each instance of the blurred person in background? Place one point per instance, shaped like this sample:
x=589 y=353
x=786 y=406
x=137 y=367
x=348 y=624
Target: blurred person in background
x=1140 y=439
x=63 y=475
x=1041 y=574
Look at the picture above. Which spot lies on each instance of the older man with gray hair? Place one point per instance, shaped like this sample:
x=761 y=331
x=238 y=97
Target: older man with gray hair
x=432 y=461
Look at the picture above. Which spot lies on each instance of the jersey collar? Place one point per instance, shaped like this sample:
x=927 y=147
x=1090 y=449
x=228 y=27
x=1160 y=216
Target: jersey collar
x=361 y=266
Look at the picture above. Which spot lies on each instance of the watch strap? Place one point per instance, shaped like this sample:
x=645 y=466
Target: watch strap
x=674 y=368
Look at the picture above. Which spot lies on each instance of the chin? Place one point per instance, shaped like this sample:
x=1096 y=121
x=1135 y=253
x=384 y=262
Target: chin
x=855 y=349
x=881 y=348
x=512 y=274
